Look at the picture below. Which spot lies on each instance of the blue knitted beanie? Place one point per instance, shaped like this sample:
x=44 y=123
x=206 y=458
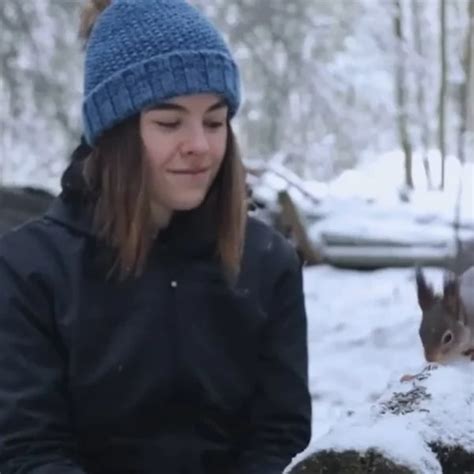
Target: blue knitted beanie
x=142 y=52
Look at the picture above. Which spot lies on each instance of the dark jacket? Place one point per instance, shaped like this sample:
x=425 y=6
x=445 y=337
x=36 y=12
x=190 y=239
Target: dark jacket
x=173 y=372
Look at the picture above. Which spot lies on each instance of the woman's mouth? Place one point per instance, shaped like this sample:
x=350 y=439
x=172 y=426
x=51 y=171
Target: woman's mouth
x=189 y=172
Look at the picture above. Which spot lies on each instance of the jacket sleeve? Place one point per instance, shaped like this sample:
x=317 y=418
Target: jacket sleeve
x=35 y=428
x=281 y=411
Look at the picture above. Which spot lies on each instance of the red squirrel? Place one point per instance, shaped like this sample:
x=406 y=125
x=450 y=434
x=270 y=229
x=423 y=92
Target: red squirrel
x=447 y=323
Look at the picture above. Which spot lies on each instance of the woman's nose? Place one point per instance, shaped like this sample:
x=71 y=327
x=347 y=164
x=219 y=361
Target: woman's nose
x=196 y=141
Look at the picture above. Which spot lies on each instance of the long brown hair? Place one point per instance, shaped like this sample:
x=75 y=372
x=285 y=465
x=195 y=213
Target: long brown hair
x=117 y=175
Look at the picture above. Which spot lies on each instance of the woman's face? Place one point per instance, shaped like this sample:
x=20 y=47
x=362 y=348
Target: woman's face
x=184 y=141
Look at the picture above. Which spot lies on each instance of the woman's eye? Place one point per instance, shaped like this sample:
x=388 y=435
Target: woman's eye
x=169 y=125
x=214 y=124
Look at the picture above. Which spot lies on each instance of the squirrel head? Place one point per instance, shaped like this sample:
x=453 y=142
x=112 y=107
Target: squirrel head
x=443 y=329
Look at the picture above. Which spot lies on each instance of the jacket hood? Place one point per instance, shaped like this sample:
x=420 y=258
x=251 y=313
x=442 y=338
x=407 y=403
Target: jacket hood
x=71 y=208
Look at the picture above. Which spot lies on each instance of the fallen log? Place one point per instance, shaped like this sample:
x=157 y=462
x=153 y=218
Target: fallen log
x=369 y=257
x=348 y=238
x=423 y=426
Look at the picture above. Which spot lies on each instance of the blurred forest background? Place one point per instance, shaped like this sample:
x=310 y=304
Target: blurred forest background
x=351 y=109
x=327 y=83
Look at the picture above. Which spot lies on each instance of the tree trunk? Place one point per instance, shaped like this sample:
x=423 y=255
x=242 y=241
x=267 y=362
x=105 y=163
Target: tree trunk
x=463 y=105
x=466 y=130
x=401 y=91
x=442 y=91
x=421 y=97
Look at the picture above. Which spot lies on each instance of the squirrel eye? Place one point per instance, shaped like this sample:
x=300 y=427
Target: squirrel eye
x=448 y=337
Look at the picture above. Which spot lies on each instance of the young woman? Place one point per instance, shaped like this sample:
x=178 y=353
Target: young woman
x=146 y=324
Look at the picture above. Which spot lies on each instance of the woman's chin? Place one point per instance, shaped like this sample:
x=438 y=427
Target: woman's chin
x=188 y=203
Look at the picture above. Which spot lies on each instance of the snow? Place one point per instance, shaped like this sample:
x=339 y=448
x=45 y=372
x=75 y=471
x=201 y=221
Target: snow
x=367 y=201
x=368 y=206
x=362 y=337
x=376 y=227
x=375 y=186
x=442 y=384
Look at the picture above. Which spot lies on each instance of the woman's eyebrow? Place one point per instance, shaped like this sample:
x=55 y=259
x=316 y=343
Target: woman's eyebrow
x=172 y=106
x=168 y=106
x=218 y=105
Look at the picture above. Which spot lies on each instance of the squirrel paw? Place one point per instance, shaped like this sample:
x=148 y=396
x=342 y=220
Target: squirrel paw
x=407 y=378
x=421 y=375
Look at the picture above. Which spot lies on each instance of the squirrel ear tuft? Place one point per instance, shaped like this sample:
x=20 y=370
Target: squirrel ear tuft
x=425 y=292
x=89 y=14
x=451 y=299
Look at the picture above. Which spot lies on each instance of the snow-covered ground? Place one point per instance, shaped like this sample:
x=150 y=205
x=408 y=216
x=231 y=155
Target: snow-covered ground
x=362 y=334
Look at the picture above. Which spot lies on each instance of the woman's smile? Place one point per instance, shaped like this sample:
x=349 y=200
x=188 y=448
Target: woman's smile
x=190 y=172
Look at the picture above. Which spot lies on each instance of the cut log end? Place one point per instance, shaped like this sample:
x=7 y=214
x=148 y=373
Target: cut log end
x=453 y=460
x=348 y=462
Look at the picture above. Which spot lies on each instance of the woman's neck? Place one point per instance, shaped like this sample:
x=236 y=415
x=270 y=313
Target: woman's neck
x=161 y=217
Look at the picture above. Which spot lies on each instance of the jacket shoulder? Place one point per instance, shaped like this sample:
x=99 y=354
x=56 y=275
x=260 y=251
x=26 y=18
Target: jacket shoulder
x=267 y=257
x=33 y=247
x=263 y=241
x=20 y=238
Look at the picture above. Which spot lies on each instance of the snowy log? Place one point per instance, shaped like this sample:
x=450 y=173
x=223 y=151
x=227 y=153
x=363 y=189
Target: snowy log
x=382 y=238
x=386 y=256
x=421 y=426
